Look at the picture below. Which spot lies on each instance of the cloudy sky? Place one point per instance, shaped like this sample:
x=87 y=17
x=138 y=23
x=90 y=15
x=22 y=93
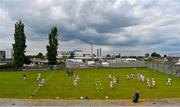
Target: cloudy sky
x=132 y=27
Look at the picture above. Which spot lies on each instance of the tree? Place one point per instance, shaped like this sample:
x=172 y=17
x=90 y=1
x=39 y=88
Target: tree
x=27 y=60
x=20 y=44
x=108 y=56
x=165 y=55
x=146 y=55
x=40 y=55
x=154 y=54
x=118 y=56
x=52 y=47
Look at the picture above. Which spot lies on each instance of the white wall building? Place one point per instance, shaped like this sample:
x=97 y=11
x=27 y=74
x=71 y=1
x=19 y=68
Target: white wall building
x=63 y=54
x=9 y=53
x=77 y=53
x=124 y=60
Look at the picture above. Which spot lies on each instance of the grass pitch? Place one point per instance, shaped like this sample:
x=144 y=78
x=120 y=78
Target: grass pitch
x=59 y=85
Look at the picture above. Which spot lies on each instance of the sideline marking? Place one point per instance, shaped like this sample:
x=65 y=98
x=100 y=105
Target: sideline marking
x=37 y=89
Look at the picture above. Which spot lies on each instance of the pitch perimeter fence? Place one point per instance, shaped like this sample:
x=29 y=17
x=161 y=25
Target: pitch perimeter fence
x=170 y=69
x=128 y=64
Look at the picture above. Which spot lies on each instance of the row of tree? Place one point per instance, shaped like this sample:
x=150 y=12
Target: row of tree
x=20 y=45
x=154 y=54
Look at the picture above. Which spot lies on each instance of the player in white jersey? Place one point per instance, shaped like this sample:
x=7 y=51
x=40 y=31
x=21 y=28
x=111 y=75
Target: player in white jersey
x=148 y=82
x=143 y=78
x=132 y=76
x=169 y=81
x=153 y=83
x=43 y=81
x=139 y=76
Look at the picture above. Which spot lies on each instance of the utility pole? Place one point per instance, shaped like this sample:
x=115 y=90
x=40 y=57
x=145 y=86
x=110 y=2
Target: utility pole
x=91 y=43
x=91 y=49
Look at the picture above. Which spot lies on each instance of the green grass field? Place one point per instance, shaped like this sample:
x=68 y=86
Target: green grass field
x=60 y=85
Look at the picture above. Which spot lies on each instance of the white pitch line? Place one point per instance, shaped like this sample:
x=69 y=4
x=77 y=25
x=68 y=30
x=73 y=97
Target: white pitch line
x=50 y=75
x=39 y=87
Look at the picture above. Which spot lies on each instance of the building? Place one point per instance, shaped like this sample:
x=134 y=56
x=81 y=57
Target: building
x=178 y=63
x=124 y=60
x=173 y=58
x=2 y=55
x=98 y=53
x=38 y=61
x=6 y=61
x=87 y=55
x=63 y=54
x=77 y=53
x=9 y=53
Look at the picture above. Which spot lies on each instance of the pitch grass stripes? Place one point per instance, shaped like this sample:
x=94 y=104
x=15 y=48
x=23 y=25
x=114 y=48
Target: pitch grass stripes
x=37 y=89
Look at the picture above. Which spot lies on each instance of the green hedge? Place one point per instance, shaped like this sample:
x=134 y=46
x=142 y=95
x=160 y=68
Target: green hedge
x=7 y=66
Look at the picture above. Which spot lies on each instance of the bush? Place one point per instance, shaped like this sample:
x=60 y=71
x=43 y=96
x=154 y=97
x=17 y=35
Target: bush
x=61 y=62
x=7 y=66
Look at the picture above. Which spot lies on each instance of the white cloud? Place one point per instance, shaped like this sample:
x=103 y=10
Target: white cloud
x=133 y=26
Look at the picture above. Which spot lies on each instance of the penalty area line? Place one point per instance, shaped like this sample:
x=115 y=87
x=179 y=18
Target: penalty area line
x=37 y=89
